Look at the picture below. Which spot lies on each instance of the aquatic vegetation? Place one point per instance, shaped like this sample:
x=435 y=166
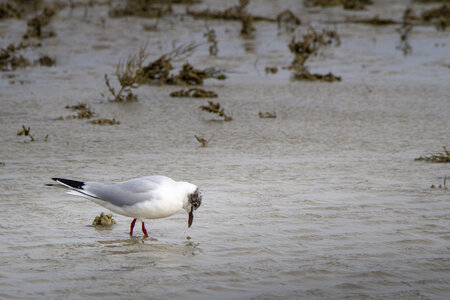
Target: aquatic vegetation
x=215 y=108
x=375 y=21
x=309 y=45
x=26 y=132
x=437 y=157
x=8 y=10
x=140 y=8
x=104 y=220
x=440 y=16
x=202 y=141
x=237 y=12
x=271 y=70
x=46 y=61
x=188 y=75
x=212 y=40
x=36 y=24
x=84 y=112
x=347 y=4
x=267 y=115
x=441 y=186
x=11 y=61
x=129 y=74
x=404 y=31
x=194 y=93
x=103 y=121
x=288 y=20
x=158 y=71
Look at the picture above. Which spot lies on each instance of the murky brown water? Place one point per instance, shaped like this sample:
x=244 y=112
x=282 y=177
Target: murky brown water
x=325 y=201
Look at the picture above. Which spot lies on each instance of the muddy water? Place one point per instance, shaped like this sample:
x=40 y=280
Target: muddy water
x=324 y=201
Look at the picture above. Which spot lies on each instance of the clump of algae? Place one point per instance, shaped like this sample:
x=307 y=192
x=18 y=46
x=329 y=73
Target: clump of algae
x=104 y=220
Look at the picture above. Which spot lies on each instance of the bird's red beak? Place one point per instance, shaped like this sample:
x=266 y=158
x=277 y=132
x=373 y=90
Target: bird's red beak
x=191 y=218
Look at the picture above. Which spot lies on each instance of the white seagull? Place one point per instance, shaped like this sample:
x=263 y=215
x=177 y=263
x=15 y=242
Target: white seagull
x=150 y=197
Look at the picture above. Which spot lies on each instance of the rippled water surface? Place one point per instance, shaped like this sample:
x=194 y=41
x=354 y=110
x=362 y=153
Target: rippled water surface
x=324 y=201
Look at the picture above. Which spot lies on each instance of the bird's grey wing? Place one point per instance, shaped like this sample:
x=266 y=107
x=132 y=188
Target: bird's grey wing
x=125 y=193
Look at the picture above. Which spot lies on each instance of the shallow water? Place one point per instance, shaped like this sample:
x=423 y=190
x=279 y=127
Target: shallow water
x=324 y=201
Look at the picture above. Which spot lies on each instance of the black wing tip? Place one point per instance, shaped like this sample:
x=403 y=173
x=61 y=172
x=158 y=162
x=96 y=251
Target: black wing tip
x=72 y=183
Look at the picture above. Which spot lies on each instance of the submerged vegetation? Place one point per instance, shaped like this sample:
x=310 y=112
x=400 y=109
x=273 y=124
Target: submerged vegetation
x=437 y=157
x=215 y=108
x=440 y=16
x=10 y=60
x=194 y=93
x=267 y=115
x=204 y=142
x=8 y=10
x=36 y=25
x=140 y=8
x=84 y=111
x=346 y=4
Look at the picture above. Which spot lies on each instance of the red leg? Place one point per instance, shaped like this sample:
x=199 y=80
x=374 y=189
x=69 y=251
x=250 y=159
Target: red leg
x=132 y=227
x=144 y=230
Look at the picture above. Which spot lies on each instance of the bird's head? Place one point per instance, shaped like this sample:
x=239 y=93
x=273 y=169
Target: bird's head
x=194 y=202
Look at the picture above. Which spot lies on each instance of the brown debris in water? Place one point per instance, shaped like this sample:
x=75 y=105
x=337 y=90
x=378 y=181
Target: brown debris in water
x=346 y=4
x=271 y=70
x=188 y=75
x=202 y=141
x=26 y=132
x=140 y=8
x=375 y=21
x=302 y=73
x=440 y=16
x=267 y=115
x=215 y=108
x=84 y=112
x=7 y=10
x=36 y=24
x=46 y=61
x=11 y=61
x=104 y=121
x=437 y=157
x=194 y=93
x=104 y=220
